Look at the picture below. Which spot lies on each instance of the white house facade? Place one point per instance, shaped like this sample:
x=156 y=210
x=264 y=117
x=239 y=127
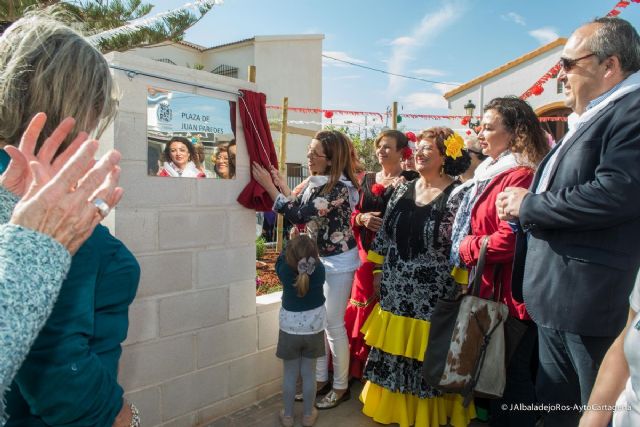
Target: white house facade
x=514 y=78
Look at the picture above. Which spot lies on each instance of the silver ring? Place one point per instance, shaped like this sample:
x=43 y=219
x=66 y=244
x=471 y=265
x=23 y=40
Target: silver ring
x=103 y=207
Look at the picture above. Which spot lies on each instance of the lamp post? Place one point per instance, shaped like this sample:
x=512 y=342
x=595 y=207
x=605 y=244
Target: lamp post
x=350 y=123
x=469 y=107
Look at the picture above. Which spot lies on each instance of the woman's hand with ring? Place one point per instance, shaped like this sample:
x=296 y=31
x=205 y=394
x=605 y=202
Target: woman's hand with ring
x=61 y=207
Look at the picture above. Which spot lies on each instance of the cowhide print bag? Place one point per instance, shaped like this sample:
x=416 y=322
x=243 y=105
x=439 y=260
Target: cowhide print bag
x=466 y=349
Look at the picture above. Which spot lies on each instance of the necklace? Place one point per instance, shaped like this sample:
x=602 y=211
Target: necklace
x=381 y=178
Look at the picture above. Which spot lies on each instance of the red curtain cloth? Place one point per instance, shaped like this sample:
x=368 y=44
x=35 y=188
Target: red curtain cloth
x=253 y=115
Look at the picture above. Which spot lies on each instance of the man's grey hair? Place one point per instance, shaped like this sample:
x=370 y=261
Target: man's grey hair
x=616 y=37
x=45 y=66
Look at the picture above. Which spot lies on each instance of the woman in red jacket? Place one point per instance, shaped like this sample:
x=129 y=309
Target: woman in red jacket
x=513 y=139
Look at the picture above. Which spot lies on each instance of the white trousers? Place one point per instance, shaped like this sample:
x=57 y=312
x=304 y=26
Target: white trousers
x=337 y=289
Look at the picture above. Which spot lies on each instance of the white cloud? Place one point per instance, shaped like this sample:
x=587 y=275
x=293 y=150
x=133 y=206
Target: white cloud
x=404 y=41
x=444 y=88
x=343 y=56
x=514 y=17
x=402 y=47
x=424 y=100
x=544 y=35
x=428 y=72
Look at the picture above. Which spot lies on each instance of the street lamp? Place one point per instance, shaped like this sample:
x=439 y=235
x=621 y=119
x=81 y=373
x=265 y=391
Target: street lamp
x=469 y=107
x=350 y=122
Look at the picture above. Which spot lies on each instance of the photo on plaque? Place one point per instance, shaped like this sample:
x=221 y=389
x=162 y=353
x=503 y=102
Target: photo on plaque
x=190 y=136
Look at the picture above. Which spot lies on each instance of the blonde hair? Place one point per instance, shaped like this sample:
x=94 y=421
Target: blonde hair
x=298 y=248
x=47 y=66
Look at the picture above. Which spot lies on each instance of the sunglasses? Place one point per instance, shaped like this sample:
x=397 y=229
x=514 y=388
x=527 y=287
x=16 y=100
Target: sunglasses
x=567 y=63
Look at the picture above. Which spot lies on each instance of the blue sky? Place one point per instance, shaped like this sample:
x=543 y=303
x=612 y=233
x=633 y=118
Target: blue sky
x=449 y=41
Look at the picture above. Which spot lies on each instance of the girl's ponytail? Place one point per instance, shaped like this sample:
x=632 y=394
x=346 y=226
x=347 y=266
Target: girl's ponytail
x=302 y=256
x=302 y=284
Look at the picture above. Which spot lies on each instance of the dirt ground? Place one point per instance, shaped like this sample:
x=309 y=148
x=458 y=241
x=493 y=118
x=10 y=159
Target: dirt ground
x=266 y=278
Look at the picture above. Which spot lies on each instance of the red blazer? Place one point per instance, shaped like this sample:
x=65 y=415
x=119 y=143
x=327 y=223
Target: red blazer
x=501 y=247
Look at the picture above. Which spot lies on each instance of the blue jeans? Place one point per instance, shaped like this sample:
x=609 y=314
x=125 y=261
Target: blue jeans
x=569 y=365
x=520 y=388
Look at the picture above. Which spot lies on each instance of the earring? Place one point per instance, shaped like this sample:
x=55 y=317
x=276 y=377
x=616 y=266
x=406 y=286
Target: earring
x=442 y=170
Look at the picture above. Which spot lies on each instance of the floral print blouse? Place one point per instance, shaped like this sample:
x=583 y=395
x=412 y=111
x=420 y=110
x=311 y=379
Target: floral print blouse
x=326 y=216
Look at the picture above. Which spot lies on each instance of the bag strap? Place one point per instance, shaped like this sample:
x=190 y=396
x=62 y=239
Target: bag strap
x=471 y=385
x=477 y=279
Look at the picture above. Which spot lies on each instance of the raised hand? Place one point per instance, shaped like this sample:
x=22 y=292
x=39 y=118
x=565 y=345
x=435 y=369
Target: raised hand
x=64 y=206
x=18 y=176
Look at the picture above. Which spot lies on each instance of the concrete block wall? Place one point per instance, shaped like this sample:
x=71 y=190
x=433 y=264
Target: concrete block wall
x=198 y=346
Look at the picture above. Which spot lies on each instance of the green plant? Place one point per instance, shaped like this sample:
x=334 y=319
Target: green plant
x=260 y=247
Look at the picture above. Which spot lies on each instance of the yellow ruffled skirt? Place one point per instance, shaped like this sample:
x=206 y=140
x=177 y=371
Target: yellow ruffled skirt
x=407 y=337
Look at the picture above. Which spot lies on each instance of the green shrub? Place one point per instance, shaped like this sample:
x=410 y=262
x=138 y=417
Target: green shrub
x=260 y=247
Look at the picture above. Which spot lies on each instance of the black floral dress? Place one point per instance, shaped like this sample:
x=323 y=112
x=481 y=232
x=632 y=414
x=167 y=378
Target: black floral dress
x=415 y=242
x=327 y=217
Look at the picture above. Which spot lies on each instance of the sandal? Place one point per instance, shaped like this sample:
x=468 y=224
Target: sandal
x=331 y=400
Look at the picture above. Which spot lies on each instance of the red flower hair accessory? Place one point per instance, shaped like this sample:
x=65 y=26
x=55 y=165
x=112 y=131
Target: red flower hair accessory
x=412 y=137
x=378 y=189
x=407 y=153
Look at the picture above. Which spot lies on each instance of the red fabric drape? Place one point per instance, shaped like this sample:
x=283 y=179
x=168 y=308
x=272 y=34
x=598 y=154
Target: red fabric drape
x=253 y=115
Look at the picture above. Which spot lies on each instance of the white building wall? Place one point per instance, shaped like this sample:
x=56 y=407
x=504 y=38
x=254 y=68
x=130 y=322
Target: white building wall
x=291 y=66
x=182 y=55
x=240 y=56
x=198 y=346
x=514 y=81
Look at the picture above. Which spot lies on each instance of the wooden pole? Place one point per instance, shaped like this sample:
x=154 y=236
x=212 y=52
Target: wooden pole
x=394 y=115
x=251 y=71
x=282 y=161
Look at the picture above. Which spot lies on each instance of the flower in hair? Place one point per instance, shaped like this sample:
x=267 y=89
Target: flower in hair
x=407 y=153
x=411 y=137
x=454 y=145
x=378 y=189
x=307 y=265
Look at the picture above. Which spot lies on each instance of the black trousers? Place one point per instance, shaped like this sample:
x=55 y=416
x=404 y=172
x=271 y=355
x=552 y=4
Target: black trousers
x=568 y=368
x=520 y=388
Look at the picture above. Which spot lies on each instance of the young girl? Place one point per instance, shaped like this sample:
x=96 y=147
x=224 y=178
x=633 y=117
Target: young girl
x=303 y=318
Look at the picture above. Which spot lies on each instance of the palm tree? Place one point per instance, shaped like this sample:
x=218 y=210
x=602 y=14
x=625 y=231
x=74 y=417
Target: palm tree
x=114 y=25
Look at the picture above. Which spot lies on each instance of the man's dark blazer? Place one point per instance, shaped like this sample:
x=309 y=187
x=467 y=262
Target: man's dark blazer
x=583 y=248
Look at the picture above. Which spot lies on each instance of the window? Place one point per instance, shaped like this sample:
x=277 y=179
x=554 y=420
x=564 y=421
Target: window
x=165 y=60
x=226 y=70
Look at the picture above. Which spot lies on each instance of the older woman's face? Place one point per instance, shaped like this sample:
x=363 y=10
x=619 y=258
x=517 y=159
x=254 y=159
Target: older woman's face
x=179 y=154
x=387 y=153
x=428 y=158
x=222 y=164
x=494 y=138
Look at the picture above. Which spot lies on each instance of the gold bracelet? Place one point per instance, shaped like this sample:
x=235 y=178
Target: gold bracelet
x=377 y=271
